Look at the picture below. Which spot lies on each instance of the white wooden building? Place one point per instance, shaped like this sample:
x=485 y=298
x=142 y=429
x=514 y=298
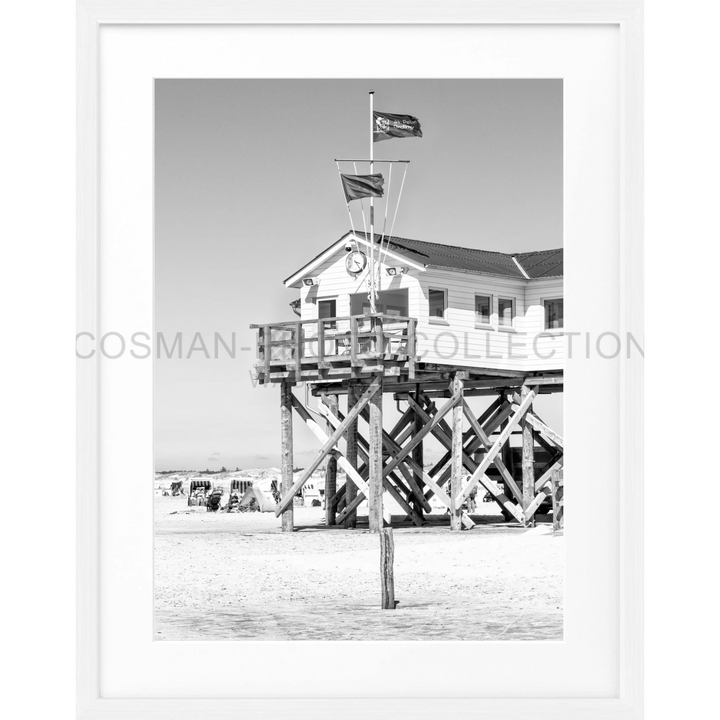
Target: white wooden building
x=474 y=308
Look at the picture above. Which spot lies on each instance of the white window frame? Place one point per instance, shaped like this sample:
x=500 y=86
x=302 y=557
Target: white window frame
x=444 y=319
x=478 y=323
x=511 y=326
x=328 y=298
x=545 y=317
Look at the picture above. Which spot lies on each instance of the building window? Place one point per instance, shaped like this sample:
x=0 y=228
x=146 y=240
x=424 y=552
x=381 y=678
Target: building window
x=553 y=313
x=327 y=309
x=506 y=312
x=389 y=302
x=483 y=309
x=438 y=304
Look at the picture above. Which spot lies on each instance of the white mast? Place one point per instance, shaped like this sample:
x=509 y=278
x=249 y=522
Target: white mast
x=372 y=214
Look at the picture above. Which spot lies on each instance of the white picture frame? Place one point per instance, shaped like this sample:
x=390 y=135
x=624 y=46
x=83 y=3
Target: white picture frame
x=627 y=15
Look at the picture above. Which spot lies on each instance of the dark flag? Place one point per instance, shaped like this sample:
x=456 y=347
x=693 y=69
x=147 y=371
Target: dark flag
x=395 y=126
x=361 y=186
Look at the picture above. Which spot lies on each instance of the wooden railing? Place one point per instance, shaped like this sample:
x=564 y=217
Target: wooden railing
x=354 y=339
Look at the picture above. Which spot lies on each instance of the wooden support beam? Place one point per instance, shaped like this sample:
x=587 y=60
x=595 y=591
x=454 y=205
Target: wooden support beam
x=394 y=448
x=350 y=472
x=487 y=444
x=339 y=496
x=418 y=457
x=495 y=420
x=436 y=367
x=409 y=510
x=387 y=576
x=426 y=430
x=501 y=440
x=329 y=444
x=468 y=436
x=558 y=501
x=351 y=438
x=483 y=479
x=401 y=456
x=375 y=460
x=547 y=475
x=457 y=456
x=331 y=466
x=534 y=421
x=286 y=453
x=536 y=502
x=528 y=456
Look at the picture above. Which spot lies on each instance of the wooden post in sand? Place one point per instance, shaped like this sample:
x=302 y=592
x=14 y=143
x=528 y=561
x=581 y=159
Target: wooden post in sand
x=457 y=460
x=351 y=455
x=375 y=461
x=331 y=467
x=528 y=459
x=387 y=575
x=286 y=450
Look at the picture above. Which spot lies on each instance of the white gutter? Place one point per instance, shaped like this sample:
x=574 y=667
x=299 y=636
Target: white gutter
x=521 y=268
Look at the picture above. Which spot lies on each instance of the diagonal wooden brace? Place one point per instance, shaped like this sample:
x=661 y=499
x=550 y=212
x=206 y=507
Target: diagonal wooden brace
x=547 y=475
x=390 y=444
x=363 y=450
x=537 y=424
x=502 y=438
x=484 y=480
x=485 y=440
x=329 y=443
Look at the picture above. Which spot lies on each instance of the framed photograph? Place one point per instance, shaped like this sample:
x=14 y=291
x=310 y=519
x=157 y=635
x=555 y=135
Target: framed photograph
x=341 y=448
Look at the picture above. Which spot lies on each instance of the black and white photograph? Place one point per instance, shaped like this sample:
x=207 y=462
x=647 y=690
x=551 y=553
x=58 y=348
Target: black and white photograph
x=358 y=387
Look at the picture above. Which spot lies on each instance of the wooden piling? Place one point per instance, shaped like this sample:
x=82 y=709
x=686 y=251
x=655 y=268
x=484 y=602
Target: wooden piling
x=387 y=574
x=375 y=461
x=558 y=501
x=352 y=457
x=457 y=458
x=331 y=467
x=418 y=456
x=286 y=451
x=528 y=459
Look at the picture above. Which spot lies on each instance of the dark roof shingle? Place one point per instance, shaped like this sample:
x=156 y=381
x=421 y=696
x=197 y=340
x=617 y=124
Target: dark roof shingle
x=538 y=264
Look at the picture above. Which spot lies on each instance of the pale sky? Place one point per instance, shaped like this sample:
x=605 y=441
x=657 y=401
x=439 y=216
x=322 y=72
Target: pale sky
x=246 y=192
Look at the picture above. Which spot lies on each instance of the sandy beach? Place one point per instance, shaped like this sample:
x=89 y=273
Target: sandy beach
x=236 y=576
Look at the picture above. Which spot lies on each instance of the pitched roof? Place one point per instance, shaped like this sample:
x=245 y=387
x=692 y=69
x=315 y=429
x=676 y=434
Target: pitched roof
x=538 y=264
x=542 y=263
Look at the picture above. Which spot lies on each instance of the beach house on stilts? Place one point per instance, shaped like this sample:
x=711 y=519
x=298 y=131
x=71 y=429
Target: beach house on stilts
x=432 y=324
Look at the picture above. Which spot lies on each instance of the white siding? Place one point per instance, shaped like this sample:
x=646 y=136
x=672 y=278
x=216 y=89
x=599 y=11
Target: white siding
x=334 y=281
x=541 y=345
x=459 y=341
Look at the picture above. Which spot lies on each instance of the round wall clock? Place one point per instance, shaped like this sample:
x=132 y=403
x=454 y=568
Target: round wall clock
x=355 y=262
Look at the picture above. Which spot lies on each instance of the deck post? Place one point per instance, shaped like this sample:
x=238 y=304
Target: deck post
x=457 y=457
x=375 y=461
x=528 y=459
x=351 y=455
x=331 y=466
x=418 y=455
x=286 y=450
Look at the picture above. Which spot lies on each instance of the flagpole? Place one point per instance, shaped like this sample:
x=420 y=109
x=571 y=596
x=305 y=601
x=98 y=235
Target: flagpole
x=372 y=214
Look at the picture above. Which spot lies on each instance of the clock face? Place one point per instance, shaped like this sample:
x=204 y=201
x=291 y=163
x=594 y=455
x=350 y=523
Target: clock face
x=355 y=262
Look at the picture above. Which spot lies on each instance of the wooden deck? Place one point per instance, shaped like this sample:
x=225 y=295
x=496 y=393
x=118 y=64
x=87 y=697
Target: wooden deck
x=337 y=348
x=333 y=352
